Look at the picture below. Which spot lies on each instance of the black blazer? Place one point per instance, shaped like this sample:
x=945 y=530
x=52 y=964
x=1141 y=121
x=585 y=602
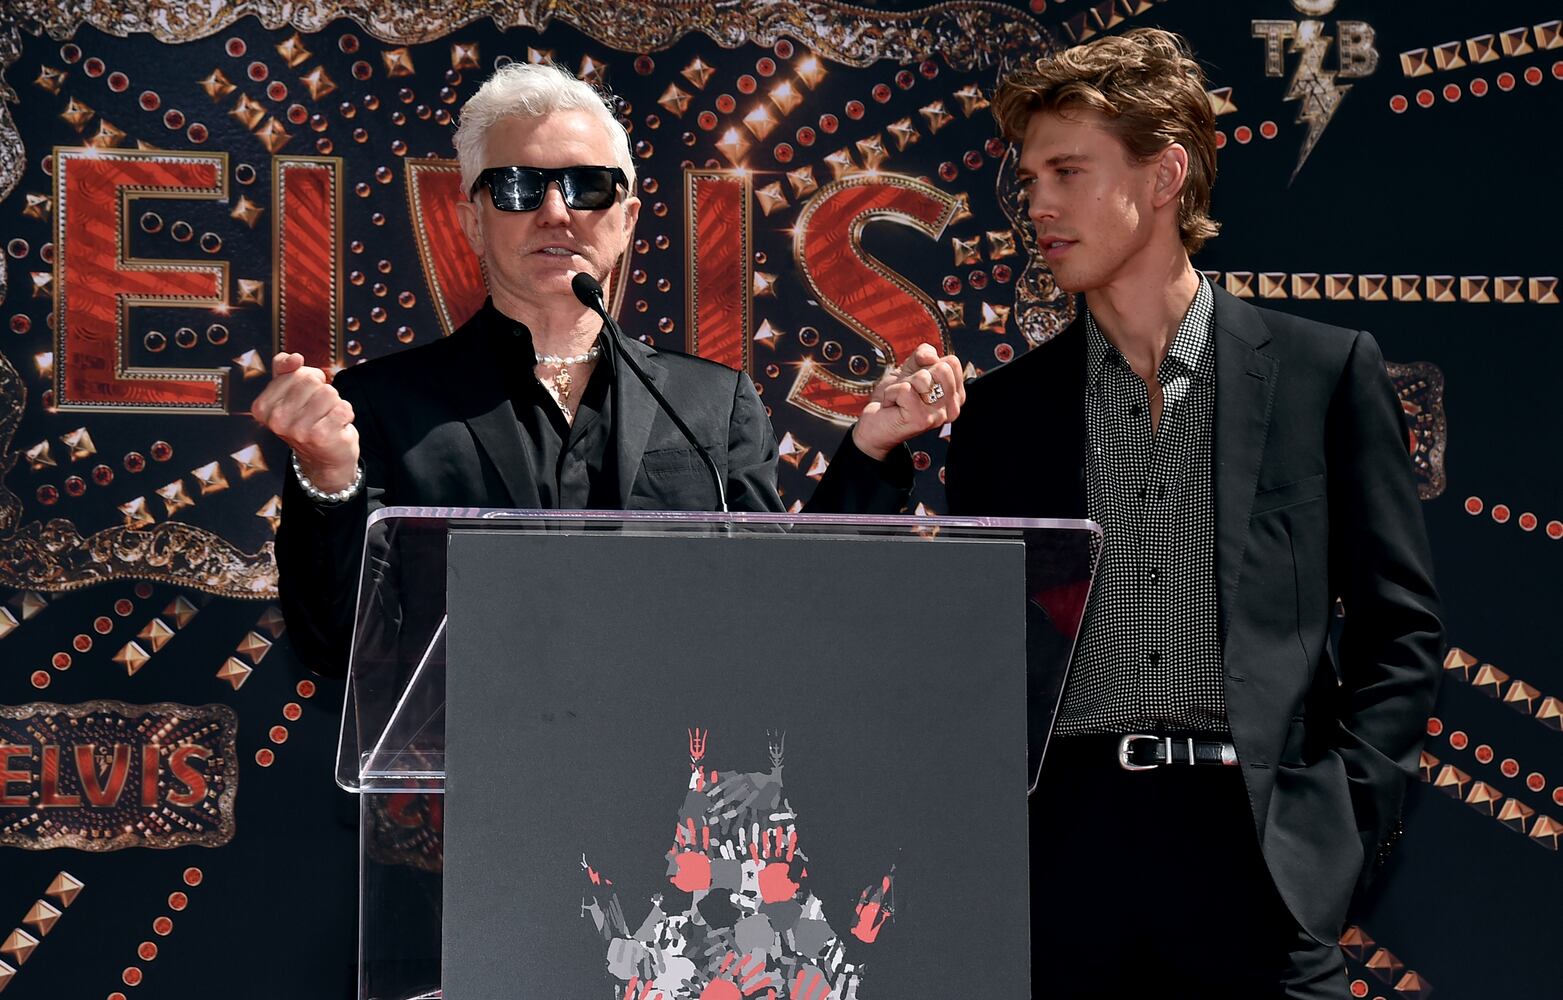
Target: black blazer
x=437 y=429
x=1314 y=501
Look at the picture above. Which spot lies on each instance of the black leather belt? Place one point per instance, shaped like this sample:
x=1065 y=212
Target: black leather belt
x=1145 y=752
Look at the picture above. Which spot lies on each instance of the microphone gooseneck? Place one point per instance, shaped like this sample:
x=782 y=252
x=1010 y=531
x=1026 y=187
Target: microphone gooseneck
x=589 y=291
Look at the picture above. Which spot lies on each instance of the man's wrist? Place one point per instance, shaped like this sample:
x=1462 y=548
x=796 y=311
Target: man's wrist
x=329 y=488
x=877 y=454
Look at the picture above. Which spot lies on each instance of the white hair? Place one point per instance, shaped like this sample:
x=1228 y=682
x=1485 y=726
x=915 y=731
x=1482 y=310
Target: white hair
x=532 y=90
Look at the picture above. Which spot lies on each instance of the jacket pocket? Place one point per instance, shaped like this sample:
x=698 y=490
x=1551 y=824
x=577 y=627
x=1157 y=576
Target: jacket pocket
x=673 y=479
x=1289 y=494
x=672 y=460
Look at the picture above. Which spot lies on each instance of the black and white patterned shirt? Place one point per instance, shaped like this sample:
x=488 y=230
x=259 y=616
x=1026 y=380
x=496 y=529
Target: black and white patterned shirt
x=1149 y=655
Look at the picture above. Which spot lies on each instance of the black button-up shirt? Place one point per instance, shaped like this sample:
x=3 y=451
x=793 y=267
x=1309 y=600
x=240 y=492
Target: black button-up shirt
x=1149 y=655
x=572 y=463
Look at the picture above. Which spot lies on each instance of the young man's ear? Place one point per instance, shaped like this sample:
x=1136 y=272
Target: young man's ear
x=1172 y=171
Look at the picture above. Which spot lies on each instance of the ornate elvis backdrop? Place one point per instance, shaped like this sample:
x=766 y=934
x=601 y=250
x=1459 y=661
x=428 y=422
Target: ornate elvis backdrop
x=188 y=187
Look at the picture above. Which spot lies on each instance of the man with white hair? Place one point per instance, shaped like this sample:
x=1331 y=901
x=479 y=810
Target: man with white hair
x=521 y=406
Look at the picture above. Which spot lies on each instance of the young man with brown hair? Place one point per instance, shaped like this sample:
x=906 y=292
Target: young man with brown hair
x=1220 y=779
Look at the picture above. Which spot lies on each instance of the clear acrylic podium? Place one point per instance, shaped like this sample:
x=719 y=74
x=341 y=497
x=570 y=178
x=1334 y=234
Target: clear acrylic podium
x=628 y=590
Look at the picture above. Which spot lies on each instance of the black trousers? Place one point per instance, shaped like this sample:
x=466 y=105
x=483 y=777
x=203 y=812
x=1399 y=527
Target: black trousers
x=1151 y=884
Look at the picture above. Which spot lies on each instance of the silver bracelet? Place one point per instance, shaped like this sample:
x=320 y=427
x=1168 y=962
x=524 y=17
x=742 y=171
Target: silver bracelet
x=319 y=495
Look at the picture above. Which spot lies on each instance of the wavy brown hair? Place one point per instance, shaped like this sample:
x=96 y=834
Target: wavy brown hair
x=1147 y=85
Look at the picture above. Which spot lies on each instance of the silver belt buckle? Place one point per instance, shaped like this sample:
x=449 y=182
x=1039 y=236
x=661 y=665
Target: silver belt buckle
x=1123 y=752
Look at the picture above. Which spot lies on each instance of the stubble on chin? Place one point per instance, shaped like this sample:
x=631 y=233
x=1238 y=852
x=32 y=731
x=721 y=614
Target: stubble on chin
x=1065 y=282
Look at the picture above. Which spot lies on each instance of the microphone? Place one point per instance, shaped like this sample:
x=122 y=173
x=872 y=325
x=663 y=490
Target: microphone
x=589 y=291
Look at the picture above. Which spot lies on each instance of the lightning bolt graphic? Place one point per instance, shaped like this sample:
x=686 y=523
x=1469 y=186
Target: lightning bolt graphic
x=1313 y=86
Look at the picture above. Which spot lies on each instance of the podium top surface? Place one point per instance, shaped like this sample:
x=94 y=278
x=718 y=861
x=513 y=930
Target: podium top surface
x=908 y=524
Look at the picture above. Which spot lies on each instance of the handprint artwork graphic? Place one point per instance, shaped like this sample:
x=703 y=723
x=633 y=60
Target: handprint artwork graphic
x=751 y=928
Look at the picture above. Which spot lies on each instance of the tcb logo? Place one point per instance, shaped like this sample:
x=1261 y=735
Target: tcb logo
x=1312 y=83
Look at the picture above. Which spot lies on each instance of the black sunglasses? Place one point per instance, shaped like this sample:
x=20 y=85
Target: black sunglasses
x=521 y=189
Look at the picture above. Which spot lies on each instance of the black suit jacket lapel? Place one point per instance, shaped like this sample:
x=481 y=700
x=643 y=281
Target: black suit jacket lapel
x=481 y=390
x=1245 y=391
x=634 y=411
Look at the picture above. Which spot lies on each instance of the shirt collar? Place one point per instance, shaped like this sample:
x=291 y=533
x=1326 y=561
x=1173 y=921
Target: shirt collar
x=1097 y=351
x=497 y=324
x=1190 y=351
x=512 y=335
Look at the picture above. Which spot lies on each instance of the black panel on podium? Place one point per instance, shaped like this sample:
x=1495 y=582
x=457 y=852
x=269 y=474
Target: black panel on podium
x=698 y=755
